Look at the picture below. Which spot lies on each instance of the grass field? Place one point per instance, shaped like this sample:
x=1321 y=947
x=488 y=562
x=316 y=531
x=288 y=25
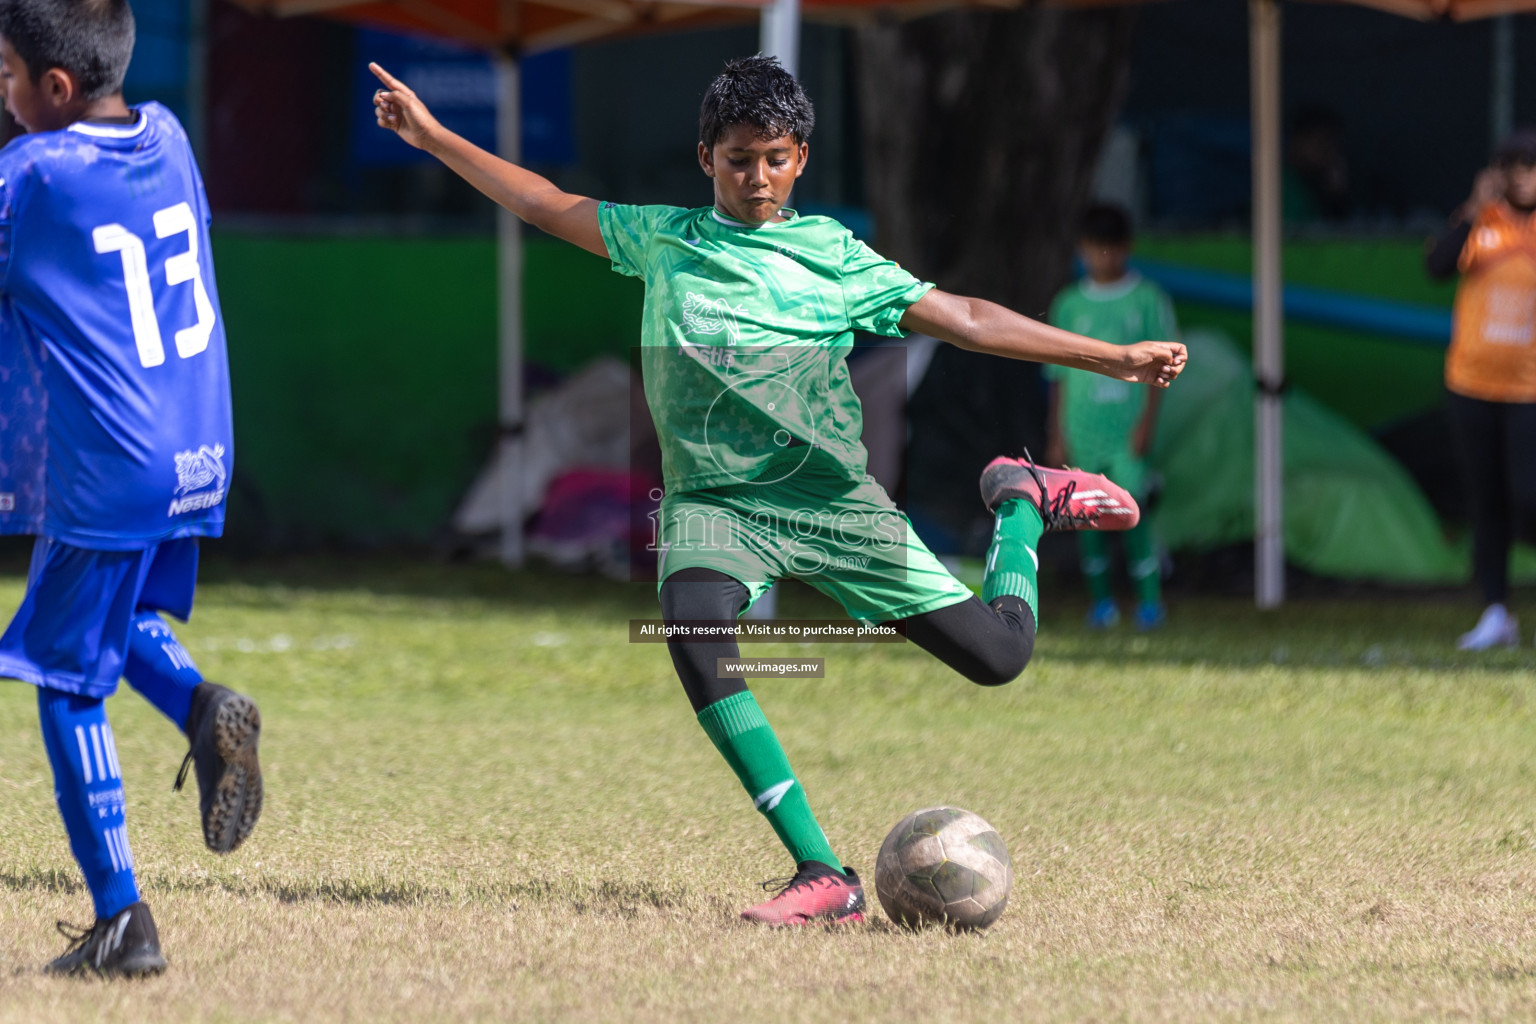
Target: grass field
x=484 y=804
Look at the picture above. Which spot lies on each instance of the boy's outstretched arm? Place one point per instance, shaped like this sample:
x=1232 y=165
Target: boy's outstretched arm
x=982 y=326
x=531 y=197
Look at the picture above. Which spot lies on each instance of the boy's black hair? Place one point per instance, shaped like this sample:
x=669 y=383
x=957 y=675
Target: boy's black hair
x=1106 y=224
x=91 y=39
x=1517 y=149
x=758 y=92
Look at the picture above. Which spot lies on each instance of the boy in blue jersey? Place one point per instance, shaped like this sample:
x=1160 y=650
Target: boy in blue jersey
x=115 y=442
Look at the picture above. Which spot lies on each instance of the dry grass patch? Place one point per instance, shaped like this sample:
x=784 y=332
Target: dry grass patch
x=485 y=805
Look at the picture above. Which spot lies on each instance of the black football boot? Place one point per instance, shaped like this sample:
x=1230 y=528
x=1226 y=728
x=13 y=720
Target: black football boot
x=124 y=946
x=224 y=727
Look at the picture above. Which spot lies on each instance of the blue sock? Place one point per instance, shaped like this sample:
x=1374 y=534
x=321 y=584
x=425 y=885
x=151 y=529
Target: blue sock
x=88 y=785
x=160 y=668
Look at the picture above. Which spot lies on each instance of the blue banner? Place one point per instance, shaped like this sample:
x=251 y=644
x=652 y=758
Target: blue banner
x=458 y=84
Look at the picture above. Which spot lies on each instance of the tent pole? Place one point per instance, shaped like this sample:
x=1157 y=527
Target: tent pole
x=778 y=37
x=780 y=33
x=1501 y=92
x=1268 y=340
x=509 y=279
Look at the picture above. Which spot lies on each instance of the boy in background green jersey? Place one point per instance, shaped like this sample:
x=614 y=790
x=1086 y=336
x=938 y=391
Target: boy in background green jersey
x=749 y=314
x=1103 y=425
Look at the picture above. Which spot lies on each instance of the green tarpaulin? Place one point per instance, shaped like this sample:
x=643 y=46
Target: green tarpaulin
x=1351 y=510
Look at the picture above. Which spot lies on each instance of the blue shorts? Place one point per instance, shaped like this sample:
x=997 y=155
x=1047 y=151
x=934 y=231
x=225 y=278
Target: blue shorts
x=71 y=631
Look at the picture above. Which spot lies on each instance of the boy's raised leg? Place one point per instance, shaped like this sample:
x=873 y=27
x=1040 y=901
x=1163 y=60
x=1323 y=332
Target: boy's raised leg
x=1028 y=500
x=1012 y=563
x=160 y=668
x=1067 y=499
x=223 y=730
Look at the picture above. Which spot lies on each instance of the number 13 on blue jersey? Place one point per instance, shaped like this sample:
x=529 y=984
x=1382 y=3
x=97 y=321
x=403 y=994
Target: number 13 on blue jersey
x=179 y=269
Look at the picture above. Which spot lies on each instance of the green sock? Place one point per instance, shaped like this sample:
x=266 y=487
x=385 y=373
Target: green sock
x=1093 y=551
x=1142 y=563
x=744 y=738
x=1011 y=561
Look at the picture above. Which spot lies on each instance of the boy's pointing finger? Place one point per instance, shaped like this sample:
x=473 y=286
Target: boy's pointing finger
x=388 y=79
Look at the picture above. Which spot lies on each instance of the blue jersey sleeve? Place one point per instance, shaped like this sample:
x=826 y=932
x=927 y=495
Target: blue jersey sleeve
x=12 y=176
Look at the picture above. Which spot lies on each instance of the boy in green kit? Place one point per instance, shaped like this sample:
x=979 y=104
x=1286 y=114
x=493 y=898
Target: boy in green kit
x=749 y=315
x=1103 y=425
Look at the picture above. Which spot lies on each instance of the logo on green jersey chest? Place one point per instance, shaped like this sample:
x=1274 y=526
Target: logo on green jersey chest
x=709 y=317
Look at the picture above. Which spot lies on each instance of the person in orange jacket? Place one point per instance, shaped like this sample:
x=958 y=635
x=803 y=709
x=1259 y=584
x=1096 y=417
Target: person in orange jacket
x=1490 y=369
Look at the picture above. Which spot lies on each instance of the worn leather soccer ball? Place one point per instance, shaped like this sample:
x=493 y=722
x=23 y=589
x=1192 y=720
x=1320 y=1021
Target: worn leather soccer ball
x=944 y=866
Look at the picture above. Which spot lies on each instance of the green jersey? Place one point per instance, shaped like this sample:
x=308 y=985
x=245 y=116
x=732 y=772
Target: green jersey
x=745 y=336
x=1098 y=413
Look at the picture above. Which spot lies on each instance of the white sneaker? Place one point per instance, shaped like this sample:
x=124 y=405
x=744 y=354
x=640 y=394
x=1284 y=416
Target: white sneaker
x=1497 y=628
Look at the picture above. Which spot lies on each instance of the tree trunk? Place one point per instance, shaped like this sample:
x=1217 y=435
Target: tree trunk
x=981 y=133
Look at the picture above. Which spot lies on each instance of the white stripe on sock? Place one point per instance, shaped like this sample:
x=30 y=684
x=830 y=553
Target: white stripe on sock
x=85 y=755
x=101 y=770
x=111 y=838
x=111 y=744
x=769 y=798
x=122 y=838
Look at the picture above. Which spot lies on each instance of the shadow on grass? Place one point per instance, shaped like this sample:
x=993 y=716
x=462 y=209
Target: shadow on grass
x=605 y=897
x=52 y=880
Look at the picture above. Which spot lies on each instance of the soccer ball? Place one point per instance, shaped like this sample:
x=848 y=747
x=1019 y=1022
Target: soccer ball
x=943 y=866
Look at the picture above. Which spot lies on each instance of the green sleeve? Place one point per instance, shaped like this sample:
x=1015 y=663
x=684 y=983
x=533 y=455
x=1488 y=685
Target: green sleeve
x=627 y=231
x=876 y=291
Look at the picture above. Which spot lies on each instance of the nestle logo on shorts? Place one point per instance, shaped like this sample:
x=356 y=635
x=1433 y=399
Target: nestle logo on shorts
x=196 y=469
x=195 y=502
x=7 y=502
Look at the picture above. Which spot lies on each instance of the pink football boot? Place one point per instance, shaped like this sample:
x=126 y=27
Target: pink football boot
x=1068 y=499
x=817 y=894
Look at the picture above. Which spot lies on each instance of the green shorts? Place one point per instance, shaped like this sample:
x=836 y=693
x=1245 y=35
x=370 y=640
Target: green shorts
x=845 y=538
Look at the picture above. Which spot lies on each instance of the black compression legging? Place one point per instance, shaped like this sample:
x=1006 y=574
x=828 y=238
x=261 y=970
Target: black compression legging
x=988 y=644
x=1497 y=445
